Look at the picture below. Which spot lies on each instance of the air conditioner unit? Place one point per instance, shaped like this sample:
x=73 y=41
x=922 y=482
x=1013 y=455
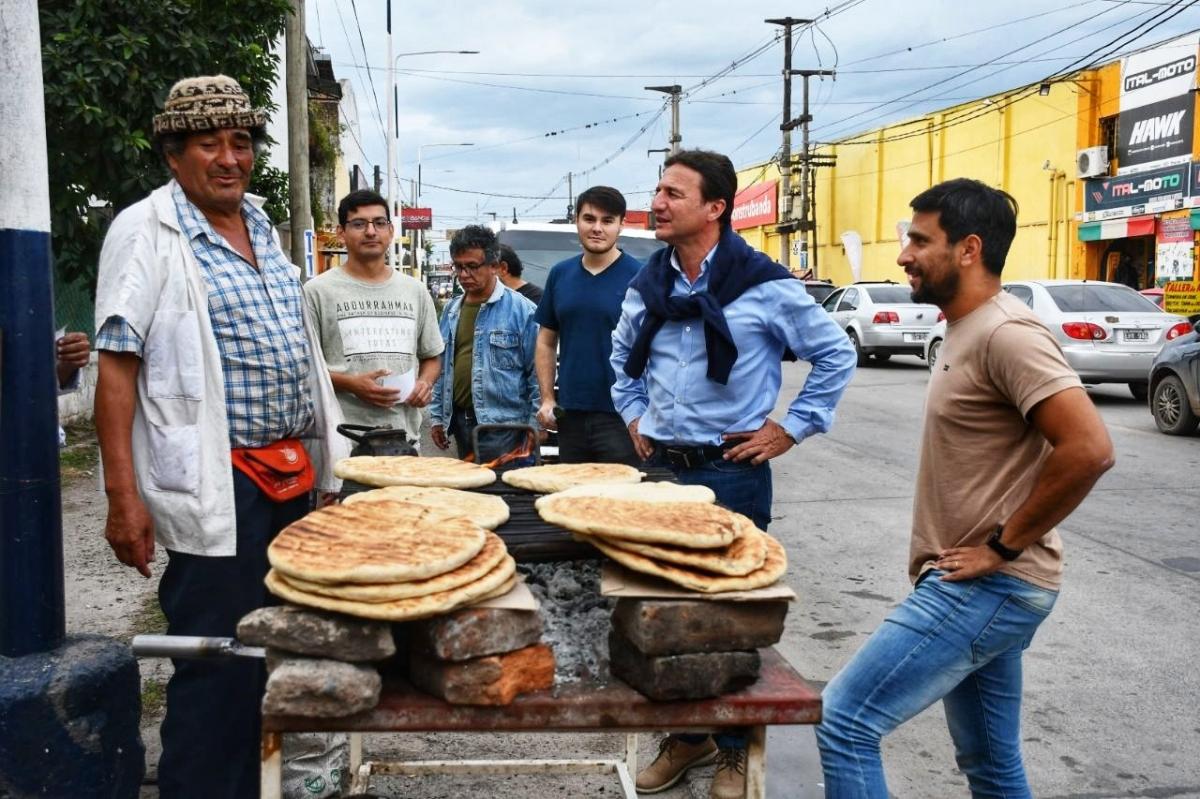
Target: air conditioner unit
x=1092 y=162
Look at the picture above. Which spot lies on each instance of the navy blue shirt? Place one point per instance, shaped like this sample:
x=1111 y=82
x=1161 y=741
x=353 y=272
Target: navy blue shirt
x=583 y=309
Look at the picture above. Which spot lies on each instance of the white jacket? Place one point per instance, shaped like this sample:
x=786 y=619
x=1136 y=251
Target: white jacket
x=149 y=276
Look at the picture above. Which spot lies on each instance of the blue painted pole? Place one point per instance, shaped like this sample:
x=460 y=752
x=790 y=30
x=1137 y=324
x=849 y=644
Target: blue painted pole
x=31 y=567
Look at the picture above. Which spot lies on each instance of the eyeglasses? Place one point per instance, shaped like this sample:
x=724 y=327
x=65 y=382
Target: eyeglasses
x=472 y=268
x=359 y=225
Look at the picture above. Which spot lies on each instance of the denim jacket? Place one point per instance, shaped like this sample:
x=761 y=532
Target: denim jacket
x=504 y=384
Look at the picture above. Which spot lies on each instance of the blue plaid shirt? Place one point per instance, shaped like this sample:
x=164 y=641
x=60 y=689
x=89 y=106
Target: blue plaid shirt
x=257 y=319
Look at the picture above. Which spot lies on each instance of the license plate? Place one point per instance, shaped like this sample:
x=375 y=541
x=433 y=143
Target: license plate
x=914 y=337
x=1135 y=335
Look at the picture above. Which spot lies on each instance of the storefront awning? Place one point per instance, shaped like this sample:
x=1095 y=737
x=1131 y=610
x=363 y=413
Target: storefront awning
x=1120 y=228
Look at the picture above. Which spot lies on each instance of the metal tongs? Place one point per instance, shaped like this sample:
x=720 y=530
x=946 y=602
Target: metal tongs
x=192 y=647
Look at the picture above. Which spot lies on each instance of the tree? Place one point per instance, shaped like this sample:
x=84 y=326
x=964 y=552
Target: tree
x=107 y=68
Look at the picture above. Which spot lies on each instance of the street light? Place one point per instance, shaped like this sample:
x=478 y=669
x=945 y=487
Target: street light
x=393 y=115
x=417 y=197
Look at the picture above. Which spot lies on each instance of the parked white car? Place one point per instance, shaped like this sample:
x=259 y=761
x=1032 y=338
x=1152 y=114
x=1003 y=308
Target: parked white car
x=881 y=319
x=1108 y=332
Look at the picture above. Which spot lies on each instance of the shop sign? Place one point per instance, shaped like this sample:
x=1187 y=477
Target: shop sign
x=1155 y=135
x=1175 y=245
x=416 y=218
x=756 y=205
x=1181 y=297
x=1159 y=73
x=1144 y=193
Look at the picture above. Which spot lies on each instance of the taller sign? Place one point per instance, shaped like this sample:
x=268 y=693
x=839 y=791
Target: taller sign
x=1157 y=108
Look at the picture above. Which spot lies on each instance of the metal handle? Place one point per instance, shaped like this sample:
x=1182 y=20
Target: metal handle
x=189 y=647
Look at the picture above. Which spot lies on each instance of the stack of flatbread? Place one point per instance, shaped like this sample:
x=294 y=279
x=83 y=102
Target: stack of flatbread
x=670 y=531
x=548 y=478
x=411 y=470
x=389 y=560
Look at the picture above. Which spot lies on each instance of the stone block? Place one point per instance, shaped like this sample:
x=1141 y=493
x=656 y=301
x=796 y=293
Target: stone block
x=69 y=721
x=317 y=634
x=476 y=632
x=491 y=680
x=320 y=688
x=696 y=675
x=678 y=627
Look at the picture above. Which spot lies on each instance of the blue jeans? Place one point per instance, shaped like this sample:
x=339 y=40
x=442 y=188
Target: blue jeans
x=744 y=489
x=957 y=642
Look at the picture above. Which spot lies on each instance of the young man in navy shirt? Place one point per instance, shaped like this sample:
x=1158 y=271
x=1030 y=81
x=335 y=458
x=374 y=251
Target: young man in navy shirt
x=577 y=314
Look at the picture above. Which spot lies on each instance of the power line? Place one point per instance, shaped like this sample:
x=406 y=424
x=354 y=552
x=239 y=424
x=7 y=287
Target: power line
x=367 y=60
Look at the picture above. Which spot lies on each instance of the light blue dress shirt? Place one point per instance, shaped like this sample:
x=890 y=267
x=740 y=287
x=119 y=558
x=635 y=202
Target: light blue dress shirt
x=678 y=404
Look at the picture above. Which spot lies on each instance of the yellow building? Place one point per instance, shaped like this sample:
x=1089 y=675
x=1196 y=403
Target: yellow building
x=1078 y=215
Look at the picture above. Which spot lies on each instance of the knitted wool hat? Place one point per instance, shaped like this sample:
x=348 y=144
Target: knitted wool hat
x=209 y=102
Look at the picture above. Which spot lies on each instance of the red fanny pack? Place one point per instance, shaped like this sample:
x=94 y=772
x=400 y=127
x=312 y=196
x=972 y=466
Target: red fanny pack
x=282 y=470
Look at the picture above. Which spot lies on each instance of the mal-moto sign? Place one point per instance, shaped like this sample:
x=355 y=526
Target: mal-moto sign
x=755 y=205
x=416 y=218
x=1157 y=190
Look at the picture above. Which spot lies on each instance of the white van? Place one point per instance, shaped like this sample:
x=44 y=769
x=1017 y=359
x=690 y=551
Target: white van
x=543 y=244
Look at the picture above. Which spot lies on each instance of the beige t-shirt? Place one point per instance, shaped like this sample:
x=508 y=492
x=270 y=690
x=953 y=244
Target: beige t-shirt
x=980 y=454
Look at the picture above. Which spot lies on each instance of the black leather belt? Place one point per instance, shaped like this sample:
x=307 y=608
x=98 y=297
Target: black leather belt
x=691 y=457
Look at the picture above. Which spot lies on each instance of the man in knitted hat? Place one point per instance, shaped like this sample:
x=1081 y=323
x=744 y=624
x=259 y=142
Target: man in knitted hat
x=209 y=378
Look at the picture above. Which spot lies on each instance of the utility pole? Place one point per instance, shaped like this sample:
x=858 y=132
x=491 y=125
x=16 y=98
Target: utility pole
x=674 y=91
x=570 y=197
x=785 y=161
x=806 y=161
x=299 y=203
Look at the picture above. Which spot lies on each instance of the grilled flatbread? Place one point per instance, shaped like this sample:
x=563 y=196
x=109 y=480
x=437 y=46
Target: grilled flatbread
x=411 y=470
x=375 y=542
x=772 y=569
x=746 y=554
x=417 y=607
x=695 y=525
x=488 y=558
x=640 y=492
x=486 y=510
x=553 y=477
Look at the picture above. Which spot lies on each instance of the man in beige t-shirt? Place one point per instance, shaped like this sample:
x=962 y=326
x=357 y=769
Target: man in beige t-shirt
x=1011 y=445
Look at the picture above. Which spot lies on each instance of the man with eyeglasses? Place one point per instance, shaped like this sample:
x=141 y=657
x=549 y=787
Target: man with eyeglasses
x=378 y=327
x=487 y=368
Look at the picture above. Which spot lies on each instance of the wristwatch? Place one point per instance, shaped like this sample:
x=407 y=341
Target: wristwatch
x=1001 y=550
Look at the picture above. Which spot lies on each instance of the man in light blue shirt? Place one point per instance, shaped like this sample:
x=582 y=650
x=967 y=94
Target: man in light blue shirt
x=697 y=354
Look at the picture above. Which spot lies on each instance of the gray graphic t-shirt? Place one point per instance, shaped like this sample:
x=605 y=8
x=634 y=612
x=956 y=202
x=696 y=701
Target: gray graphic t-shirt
x=369 y=326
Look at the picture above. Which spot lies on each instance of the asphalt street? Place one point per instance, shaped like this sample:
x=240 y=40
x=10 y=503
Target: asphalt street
x=1112 y=686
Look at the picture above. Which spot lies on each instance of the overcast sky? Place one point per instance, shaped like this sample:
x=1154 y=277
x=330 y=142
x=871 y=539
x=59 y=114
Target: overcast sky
x=558 y=67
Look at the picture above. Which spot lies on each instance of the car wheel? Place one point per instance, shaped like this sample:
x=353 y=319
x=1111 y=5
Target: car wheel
x=882 y=356
x=1170 y=407
x=935 y=349
x=863 y=358
x=1140 y=390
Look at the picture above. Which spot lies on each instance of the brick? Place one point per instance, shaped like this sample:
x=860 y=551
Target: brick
x=320 y=688
x=697 y=675
x=491 y=680
x=317 y=634
x=677 y=627
x=476 y=632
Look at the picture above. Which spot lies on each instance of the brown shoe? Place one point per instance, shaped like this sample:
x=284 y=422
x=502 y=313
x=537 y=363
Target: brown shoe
x=675 y=757
x=730 y=780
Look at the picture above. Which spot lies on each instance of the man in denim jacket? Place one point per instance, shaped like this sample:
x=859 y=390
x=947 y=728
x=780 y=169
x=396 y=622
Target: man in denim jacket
x=487 y=366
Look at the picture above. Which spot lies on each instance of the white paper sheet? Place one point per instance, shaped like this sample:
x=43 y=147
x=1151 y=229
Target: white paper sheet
x=404 y=382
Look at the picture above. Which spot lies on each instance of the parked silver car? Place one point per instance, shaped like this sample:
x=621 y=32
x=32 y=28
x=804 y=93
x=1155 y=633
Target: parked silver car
x=1108 y=332
x=881 y=319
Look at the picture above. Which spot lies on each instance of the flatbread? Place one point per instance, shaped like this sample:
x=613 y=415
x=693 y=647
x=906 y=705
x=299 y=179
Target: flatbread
x=548 y=478
x=774 y=567
x=412 y=470
x=375 y=542
x=746 y=554
x=695 y=525
x=417 y=607
x=509 y=585
x=486 y=510
x=488 y=558
x=640 y=492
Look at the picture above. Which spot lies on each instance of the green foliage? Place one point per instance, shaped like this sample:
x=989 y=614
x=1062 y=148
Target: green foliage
x=107 y=68
x=271 y=183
